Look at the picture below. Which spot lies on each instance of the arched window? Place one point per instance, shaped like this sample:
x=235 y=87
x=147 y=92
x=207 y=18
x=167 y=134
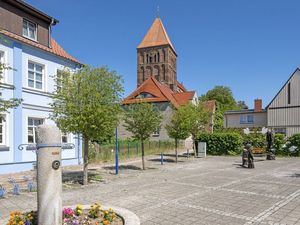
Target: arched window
x=158 y=58
x=155 y=58
x=143 y=73
x=147 y=58
x=164 y=72
x=156 y=72
x=148 y=72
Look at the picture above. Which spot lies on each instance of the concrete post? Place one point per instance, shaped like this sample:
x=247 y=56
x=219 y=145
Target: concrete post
x=49 y=176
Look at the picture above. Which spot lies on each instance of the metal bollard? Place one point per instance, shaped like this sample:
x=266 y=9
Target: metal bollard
x=49 y=175
x=2 y=192
x=161 y=158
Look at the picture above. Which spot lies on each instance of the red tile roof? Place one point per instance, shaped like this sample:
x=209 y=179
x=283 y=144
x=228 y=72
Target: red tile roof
x=160 y=93
x=181 y=87
x=156 y=36
x=56 y=49
x=183 y=98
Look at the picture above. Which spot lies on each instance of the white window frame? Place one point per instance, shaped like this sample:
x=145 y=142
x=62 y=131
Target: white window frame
x=4 y=131
x=34 y=75
x=3 y=60
x=28 y=22
x=33 y=126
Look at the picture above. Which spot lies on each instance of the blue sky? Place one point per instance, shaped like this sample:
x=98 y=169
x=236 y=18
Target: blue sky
x=251 y=46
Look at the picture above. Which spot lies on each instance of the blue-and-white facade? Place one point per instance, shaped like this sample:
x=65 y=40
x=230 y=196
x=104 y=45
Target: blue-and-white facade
x=32 y=77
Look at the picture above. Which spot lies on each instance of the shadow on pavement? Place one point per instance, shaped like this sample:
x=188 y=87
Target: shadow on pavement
x=165 y=160
x=123 y=167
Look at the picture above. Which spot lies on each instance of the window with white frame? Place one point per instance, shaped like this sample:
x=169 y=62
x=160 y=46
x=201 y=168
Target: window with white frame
x=59 y=83
x=29 y=30
x=32 y=124
x=2 y=130
x=35 y=75
x=246 y=119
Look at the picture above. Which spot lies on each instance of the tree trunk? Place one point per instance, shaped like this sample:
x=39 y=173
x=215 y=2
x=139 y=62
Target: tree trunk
x=176 y=153
x=143 y=154
x=195 y=146
x=85 y=160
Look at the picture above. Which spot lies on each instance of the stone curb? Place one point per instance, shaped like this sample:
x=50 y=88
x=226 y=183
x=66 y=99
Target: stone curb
x=128 y=217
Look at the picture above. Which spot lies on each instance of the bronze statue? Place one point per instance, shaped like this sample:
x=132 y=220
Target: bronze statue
x=270 y=140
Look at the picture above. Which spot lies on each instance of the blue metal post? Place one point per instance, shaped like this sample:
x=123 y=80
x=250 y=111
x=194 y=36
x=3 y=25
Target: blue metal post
x=117 y=152
x=161 y=158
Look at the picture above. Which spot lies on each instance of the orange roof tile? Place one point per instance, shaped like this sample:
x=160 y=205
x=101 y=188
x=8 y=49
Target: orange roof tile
x=181 y=87
x=183 y=98
x=56 y=48
x=160 y=93
x=156 y=36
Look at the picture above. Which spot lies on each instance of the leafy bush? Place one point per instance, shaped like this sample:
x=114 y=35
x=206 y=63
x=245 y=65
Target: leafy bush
x=222 y=143
x=256 y=139
x=279 y=141
x=293 y=143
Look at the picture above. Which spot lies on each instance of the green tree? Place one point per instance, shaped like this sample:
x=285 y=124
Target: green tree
x=224 y=101
x=6 y=104
x=179 y=126
x=141 y=119
x=198 y=117
x=88 y=103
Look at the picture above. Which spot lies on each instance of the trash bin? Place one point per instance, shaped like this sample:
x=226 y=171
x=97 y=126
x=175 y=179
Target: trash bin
x=201 y=149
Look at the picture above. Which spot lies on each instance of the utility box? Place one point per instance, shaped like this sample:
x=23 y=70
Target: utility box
x=201 y=149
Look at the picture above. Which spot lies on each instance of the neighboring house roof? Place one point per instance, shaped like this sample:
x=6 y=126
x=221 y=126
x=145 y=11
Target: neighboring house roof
x=33 y=11
x=158 y=93
x=156 y=36
x=181 y=87
x=183 y=98
x=243 y=111
x=55 y=49
x=297 y=70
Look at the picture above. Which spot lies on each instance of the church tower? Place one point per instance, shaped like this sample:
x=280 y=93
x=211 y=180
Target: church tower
x=157 y=57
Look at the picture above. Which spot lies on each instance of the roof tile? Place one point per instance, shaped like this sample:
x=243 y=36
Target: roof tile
x=55 y=47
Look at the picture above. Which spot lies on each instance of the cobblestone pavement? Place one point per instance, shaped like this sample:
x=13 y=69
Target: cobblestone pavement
x=215 y=190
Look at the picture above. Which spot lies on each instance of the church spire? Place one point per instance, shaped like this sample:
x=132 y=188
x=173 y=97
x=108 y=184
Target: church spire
x=156 y=36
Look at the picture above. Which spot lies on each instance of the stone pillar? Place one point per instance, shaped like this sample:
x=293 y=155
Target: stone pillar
x=49 y=176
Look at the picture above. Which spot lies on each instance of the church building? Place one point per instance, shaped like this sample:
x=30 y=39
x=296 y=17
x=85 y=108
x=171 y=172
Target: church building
x=157 y=78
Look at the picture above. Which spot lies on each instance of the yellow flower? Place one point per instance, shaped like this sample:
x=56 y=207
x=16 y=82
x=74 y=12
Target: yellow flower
x=105 y=222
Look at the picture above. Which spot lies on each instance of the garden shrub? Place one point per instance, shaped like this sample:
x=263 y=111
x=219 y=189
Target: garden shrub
x=279 y=141
x=293 y=142
x=222 y=143
x=257 y=140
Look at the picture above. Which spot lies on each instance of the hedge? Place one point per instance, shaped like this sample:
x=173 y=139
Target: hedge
x=222 y=143
x=293 y=142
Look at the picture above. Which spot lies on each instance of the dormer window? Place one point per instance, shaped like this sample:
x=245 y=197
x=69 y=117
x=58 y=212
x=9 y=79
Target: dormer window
x=145 y=95
x=29 y=30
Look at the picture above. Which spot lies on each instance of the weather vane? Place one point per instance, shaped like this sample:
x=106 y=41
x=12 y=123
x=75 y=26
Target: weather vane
x=157 y=11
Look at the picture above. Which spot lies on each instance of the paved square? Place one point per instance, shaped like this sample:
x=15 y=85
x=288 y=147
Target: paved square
x=215 y=190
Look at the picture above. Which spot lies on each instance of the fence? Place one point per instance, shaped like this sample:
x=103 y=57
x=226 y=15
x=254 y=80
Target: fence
x=128 y=149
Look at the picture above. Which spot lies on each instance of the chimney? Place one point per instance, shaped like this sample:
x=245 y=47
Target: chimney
x=257 y=105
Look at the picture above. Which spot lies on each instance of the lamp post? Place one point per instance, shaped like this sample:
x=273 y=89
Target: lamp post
x=117 y=152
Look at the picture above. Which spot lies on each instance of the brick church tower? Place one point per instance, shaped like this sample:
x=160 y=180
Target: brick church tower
x=157 y=57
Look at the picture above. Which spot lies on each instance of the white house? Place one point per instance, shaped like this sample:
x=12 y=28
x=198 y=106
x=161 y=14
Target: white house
x=26 y=45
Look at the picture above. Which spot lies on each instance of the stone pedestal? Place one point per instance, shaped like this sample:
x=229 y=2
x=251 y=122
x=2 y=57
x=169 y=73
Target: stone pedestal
x=49 y=175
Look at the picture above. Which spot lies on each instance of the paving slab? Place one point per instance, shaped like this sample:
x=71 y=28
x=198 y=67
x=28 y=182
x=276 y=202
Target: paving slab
x=214 y=190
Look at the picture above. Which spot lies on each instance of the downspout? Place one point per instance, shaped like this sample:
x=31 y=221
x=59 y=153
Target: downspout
x=50 y=32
